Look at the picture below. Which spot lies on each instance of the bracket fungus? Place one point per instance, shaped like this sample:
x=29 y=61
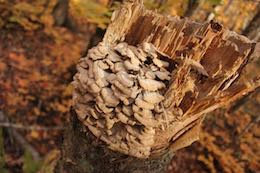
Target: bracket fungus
x=125 y=97
x=152 y=79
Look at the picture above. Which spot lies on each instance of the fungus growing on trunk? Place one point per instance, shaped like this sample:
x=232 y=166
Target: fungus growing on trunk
x=127 y=96
x=145 y=89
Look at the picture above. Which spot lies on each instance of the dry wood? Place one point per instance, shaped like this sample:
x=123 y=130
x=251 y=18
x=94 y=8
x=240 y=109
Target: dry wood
x=144 y=90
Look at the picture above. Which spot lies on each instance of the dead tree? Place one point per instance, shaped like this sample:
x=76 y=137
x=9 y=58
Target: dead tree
x=142 y=93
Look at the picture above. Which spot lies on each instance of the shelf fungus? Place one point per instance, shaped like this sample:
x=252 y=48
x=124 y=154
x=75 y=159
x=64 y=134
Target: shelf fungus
x=147 y=86
x=126 y=93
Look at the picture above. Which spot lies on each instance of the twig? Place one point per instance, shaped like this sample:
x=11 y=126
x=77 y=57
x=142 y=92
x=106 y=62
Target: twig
x=27 y=146
x=249 y=125
x=23 y=127
x=20 y=139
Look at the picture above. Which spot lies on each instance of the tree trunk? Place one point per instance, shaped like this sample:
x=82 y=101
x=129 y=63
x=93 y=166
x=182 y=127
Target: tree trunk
x=83 y=152
x=204 y=62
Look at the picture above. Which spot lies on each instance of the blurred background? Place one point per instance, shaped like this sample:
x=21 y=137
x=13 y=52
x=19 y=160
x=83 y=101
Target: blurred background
x=40 y=44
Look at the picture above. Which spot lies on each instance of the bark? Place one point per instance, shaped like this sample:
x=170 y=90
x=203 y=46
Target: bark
x=253 y=29
x=206 y=61
x=84 y=153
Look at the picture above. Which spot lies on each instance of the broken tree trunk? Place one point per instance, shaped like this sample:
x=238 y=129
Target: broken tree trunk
x=142 y=93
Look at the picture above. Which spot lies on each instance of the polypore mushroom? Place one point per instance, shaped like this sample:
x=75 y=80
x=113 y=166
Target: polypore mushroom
x=121 y=48
x=122 y=88
x=150 y=84
x=163 y=75
x=124 y=79
x=127 y=110
x=143 y=119
x=119 y=66
x=130 y=66
x=109 y=97
x=126 y=89
x=143 y=104
x=150 y=75
x=152 y=97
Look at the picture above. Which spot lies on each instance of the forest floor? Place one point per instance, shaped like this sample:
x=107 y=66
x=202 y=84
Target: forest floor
x=36 y=68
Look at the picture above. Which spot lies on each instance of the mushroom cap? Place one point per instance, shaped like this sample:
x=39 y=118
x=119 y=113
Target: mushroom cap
x=117 y=95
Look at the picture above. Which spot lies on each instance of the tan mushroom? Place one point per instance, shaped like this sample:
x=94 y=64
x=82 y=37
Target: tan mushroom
x=122 y=88
x=130 y=66
x=158 y=108
x=102 y=82
x=124 y=79
x=109 y=97
x=90 y=68
x=100 y=75
x=103 y=49
x=113 y=57
x=110 y=63
x=150 y=84
x=149 y=48
x=143 y=104
x=103 y=65
x=94 y=130
x=163 y=75
x=119 y=66
x=139 y=53
x=81 y=111
x=158 y=62
x=95 y=53
x=148 y=130
x=127 y=110
x=121 y=48
x=100 y=123
x=110 y=122
x=90 y=120
x=93 y=87
x=133 y=131
x=122 y=117
x=83 y=63
x=133 y=141
x=150 y=75
x=95 y=113
x=135 y=91
x=111 y=77
x=148 y=122
x=147 y=140
x=82 y=76
x=152 y=97
x=124 y=147
x=104 y=108
x=120 y=95
x=154 y=68
x=134 y=60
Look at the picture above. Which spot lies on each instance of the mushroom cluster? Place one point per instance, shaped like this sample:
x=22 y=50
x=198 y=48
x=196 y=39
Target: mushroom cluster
x=118 y=94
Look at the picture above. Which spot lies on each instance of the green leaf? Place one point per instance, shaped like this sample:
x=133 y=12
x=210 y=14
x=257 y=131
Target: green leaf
x=92 y=11
x=215 y=2
x=30 y=165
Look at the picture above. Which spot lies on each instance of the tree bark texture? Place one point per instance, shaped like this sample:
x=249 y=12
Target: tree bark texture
x=83 y=152
x=205 y=61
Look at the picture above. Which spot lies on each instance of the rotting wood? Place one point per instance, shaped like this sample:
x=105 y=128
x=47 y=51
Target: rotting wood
x=204 y=62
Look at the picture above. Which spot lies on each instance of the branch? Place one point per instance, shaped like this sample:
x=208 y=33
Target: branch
x=23 y=127
x=21 y=140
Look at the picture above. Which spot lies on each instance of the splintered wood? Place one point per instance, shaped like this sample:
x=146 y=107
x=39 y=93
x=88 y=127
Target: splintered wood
x=147 y=86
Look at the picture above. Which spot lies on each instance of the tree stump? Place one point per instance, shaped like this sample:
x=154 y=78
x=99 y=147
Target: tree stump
x=142 y=93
